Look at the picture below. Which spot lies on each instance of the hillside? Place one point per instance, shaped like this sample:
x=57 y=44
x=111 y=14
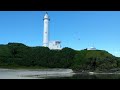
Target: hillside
x=95 y=60
x=20 y=55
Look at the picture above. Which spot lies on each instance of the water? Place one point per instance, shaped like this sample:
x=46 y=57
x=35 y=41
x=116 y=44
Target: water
x=52 y=74
x=92 y=76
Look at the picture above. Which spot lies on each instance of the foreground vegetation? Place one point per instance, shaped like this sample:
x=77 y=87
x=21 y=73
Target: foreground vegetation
x=15 y=55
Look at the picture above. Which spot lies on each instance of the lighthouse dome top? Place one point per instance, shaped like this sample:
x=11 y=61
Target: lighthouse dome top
x=46 y=16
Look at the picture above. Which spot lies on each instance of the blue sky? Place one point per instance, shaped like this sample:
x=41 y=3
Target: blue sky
x=75 y=29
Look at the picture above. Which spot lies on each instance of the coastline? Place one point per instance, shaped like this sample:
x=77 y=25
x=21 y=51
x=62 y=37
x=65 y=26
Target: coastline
x=90 y=72
x=55 y=73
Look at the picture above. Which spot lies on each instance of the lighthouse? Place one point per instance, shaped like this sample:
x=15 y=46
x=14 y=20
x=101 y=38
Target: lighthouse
x=46 y=29
x=56 y=44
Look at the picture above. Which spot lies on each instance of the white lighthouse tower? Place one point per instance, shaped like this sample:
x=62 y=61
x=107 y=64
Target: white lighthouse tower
x=56 y=45
x=45 y=32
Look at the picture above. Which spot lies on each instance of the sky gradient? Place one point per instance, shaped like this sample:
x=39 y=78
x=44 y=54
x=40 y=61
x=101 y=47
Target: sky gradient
x=75 y=29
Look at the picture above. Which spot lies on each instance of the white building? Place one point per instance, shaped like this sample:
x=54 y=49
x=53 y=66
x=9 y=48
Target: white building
x=55 y=45
x=91 y=48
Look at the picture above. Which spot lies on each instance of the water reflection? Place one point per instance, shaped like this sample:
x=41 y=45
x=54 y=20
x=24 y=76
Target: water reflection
x=95 y=76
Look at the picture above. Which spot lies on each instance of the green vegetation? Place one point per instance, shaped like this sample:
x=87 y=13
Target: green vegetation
x=98 y=60
x=15 y=55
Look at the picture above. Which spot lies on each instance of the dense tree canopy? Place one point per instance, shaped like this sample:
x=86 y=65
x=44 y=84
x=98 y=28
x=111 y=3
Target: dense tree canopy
x=18 y=54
